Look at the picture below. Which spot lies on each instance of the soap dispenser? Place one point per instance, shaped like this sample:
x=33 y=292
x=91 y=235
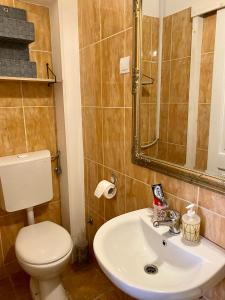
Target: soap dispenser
x=191 y=225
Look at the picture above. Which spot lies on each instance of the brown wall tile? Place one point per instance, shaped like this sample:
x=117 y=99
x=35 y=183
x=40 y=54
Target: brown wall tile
x=179 y=82
x=162 y=151
x=12 y=132
x=94 y=174
x=90 y=68
x=128 y=77
x=177 y=154
x=113 y=136
x=10 y=94
x=201 y=160
x=116 y=206
x=167 y=31
x=93 y=119
x=164 y=117
x=144 y=122
x=205 y=89
x=131 y=169
x=37 y=94
x=89 y=22
x=210 y=224
x=41 y=128
x=177 y=203
x=165 y=82
x=181 y=34
x=112 y=17
x=155 y=39
x=212 y=201
x=177 y=130
x=128 y=13
x=209 y=30
x=138 y=195
x=48 y=212
x=203 y=126
x=6 y=2
x=146 y=38
x=112 y=80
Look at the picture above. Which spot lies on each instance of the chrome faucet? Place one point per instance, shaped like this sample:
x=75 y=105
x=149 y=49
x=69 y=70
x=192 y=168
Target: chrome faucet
x=172 y=219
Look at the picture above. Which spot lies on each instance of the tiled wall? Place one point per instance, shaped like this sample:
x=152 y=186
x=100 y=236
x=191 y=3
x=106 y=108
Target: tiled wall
x=27 y=123
x=175 y=87
x=148 y=104
x=204 y=107
x=105 y=36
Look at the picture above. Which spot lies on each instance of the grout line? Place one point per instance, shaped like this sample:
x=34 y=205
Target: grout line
x=124 y=81
x=24 y=119
x=26 y=106
x=124 y=15
x=101 y=40
x=207 y=53
x=168 y=115
x=211 y=211
x=175 y=59
x=105 y=107
x=204 y=103
x=153 y=62
x=197 y=198
x=102 y=107
x=100 y=18
x=44 y=51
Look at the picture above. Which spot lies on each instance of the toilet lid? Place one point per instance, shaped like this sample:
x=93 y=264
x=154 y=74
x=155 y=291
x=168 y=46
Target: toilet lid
x=42 y=243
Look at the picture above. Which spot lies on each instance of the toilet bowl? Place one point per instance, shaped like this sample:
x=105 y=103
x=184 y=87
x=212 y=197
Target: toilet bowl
x=43 y=250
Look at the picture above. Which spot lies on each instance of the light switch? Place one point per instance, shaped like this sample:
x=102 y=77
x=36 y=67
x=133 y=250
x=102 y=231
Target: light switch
x=125 y=65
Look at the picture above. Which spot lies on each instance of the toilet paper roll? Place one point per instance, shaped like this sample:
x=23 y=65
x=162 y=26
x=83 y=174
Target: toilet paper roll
x=105 y=188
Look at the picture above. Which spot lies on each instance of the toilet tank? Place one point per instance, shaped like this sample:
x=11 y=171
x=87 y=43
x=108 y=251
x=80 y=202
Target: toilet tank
x=25 y=180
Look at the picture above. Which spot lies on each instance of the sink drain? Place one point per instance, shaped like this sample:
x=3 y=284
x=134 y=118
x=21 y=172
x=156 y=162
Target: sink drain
x=151 y=269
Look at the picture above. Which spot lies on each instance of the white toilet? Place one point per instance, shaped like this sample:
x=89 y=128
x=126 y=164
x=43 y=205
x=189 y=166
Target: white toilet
x=42 y=249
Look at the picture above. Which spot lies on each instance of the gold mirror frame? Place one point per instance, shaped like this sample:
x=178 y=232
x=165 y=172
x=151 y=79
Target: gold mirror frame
x=201 y=179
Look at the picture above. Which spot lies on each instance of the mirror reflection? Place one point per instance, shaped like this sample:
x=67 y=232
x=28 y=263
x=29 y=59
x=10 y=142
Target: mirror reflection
x=176 y=111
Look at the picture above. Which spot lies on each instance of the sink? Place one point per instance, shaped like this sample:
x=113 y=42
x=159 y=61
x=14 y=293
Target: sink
x=149 y=263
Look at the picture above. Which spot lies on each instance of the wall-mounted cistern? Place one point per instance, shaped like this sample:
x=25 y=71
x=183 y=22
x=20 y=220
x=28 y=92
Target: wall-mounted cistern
x=172 y=219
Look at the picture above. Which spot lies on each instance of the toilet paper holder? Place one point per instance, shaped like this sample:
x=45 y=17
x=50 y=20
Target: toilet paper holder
x=106 y=188
x=114 y=179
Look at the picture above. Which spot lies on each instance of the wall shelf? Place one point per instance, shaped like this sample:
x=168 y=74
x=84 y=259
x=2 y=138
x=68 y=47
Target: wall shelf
x=5 y=78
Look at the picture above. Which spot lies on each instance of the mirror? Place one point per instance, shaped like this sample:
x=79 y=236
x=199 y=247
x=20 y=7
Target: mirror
x=178 y=87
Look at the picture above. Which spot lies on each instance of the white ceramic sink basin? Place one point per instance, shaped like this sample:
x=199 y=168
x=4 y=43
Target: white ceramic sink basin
x=126 y=244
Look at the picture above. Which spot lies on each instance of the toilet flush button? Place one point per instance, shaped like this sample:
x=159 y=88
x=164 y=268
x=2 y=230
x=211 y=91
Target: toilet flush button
x=22 y=156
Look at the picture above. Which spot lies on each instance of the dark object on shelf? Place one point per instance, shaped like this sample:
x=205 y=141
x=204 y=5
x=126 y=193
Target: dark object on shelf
x=17 y=68
x=16 y=31
x=15 y=36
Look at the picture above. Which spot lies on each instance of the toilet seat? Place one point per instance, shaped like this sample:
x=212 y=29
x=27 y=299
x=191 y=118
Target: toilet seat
x=42 y=243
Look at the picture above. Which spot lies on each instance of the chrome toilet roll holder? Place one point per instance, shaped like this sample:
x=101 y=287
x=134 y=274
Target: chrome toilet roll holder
x=114 y=180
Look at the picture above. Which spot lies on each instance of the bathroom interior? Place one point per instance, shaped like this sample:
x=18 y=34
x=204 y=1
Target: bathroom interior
x=112 y=123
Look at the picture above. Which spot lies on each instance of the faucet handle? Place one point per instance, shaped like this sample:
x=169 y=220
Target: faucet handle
x=174 y=214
